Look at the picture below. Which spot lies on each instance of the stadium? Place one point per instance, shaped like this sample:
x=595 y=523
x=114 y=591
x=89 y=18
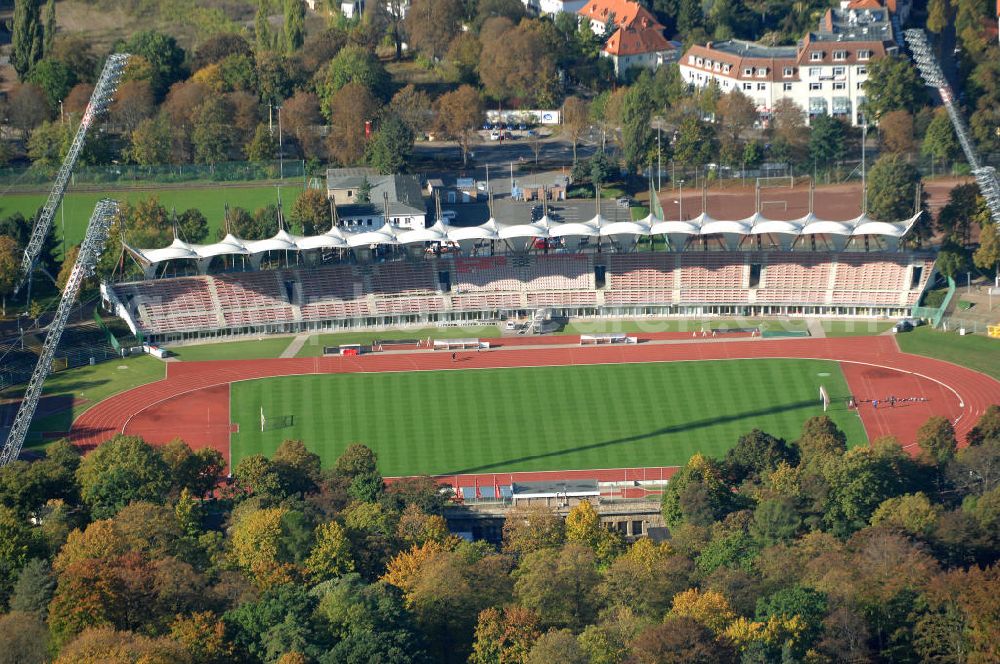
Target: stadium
x=519 y=404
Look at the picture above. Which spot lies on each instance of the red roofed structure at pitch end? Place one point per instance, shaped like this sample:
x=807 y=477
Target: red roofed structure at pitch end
x=636 y=39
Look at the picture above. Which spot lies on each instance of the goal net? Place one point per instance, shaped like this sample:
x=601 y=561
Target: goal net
x=774 y=181
x=824 y=397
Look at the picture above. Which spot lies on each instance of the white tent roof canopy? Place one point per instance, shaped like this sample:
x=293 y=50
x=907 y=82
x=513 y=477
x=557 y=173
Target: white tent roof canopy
x=703 y=224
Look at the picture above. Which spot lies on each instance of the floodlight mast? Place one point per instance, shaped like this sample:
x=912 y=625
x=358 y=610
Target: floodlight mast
x=105 y=89
x=930 y=71
x=86 y=262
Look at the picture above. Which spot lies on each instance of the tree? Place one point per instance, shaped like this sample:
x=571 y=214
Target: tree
x=557 y=646
x=212 y=133
x=67 y=267
x=193 y=227
x=820 y=437
x=27 y=42
x=331 y=555
x=987 y=428
x=263 y=36
x=939 y=140
x=218 y=47
x=987 y=256
x=351 y=107
x=412 y=106
x=937 y=15
x=256 y=545
x=165 y=58
x=893 y=84
x=459 y=115
x=54 y=78
x=559 y=585
x=680 y=640
x=754 y=454
x=27 y=108
x=151 y=142
x=23 y=638
x=390 y=149
x=295 y=18
x=301 y=115
x=936 y=440
x=896 y=128
x=353 y=64
x=645 y=578
x=911 y=513
x=583 y=525
x=133 y=103
x=576 y=120
x=33 y=589
x=119 y=471
x=15 y=549
x=49 y=28
x=695 y=142
x=697 y=493
x=432 y=24
x=10 y=267
x=957 y=216
x=48 y=145
x=310 y=212
x=516 y=61
x=827 y=137
x=775 y=520
x=281 y=620
x=203 y=637
x=531 y=528
x=504 y=636
x=76 y=51
x=891 y=188
x=264 y=146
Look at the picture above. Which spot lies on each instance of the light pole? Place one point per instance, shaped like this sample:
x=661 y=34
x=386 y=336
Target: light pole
x=281 y=151
x=62 y=116
x=681 y=199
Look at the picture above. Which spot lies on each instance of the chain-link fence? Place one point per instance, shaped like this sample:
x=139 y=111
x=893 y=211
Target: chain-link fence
x=124 y=176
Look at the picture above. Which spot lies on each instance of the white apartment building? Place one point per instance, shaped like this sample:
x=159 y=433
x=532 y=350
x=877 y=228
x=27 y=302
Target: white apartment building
x=823 y=73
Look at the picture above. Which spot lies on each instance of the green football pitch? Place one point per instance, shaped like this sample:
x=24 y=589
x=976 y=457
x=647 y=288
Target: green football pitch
x=539 y=418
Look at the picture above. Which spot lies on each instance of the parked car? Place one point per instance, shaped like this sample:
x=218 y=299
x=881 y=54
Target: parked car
x=495 y=135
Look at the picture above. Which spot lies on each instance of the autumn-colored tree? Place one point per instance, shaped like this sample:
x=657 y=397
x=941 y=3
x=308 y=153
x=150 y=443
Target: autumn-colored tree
x=697 y=493
x=911 y=513
x=681 y=640
x=559 y=585
x=23 y=639
x=516 y=61
x=27 y=108
x=558 y=645
x=256 y=545
x=10 y=267
x=151 y=142
x=583 y=525
x=646 y=577
x=300 y=116
x=311 y=212
x=937 y=15
x=987 y=428
x=350 y=107
x=576 y=120
x=104 y=645
x=416 y=526
x=708 y=608
x=459 y=115
x=432 y=24
x=132 y=104
x=203 y=636
x=896 y=128
x=530 y=528
x=331 y=554
x=412 y=106
x=504 y=636
x=936 y=440
x=820 y=436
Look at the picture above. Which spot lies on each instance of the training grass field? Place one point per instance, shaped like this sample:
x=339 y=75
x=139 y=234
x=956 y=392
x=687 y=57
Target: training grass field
x=975 y=351
x=539 y=418
x=211 y=200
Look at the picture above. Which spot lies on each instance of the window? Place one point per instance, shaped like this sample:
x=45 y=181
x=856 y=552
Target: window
x=762 y=72
x=762 y=86
x=700 y=62
x=726 y=68
x=815 y=86
x=864 y=55
x=788 y=87
x=839 y=86
x=815 y=56
x=814 y=72
x=691 y=60
x=862 y=71
x=748 y=86
x=788 y=71
x=838 y=71
x=349 y=193
x=857 y=86
x=748 y=71
x=840 y=55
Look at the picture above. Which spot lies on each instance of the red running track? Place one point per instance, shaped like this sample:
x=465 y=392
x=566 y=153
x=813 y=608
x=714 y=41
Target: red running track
x=192 y=402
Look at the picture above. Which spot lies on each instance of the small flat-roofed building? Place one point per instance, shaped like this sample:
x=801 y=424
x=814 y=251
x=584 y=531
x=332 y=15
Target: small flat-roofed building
x=563 y=493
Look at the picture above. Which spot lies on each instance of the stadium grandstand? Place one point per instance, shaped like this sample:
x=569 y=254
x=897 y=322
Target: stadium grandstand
x=445 y=274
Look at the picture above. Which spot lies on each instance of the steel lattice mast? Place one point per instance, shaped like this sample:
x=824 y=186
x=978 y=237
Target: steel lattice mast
x=86 y=261
x=986 y=176
x=105 y=89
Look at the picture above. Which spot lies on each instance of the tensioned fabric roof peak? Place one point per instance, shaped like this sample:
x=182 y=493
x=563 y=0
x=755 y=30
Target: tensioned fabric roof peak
x=703 y=224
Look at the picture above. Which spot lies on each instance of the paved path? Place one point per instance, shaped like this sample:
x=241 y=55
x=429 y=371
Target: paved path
x=297 y=343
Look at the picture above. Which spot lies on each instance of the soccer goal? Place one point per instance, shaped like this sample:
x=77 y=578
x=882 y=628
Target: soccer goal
x=776 y=181
x=275 y=422
x=824 y=397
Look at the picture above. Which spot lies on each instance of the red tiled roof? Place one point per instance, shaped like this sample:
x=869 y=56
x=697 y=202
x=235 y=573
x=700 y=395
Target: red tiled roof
x=625 y=12
x=637 y=39
x=865 y=4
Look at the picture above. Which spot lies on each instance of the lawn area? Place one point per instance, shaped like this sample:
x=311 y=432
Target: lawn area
x=539 y=418
x=210 y=200
x=314 y=346
x=252 y=349
x=89 y=385
x=974 y=351
x=604 y=326
x=855 y=328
